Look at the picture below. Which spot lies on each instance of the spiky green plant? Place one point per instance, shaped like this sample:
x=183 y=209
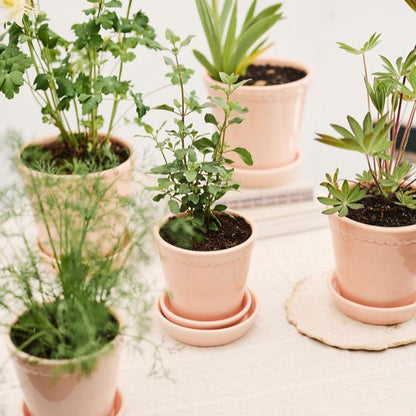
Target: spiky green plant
x=234 y=49
x=389 y=175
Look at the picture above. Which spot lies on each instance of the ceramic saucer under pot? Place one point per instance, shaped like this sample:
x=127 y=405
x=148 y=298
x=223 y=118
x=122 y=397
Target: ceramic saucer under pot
x=168 y=312
x=368 y=314
x=118 y=407
x=210 y=337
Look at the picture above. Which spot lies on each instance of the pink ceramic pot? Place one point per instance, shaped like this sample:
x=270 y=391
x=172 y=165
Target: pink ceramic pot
x=69 y=192
x=375 y=266
x=272 y=126
x=50 y=390
x=205 y=286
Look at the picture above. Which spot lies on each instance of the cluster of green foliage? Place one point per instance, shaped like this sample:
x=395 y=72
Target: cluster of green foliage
x=388 y=174
x=232 y=52
x=71 y=79
x=194 y=175
x=69 y=316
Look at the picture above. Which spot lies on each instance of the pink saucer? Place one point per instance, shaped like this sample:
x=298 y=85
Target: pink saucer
x=369 y=314
x=211 y=337
x=118 y=407
x=167 y=311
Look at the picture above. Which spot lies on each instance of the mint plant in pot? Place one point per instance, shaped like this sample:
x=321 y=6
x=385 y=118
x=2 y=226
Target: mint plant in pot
x=65 y=332
x=205 y=250
x=373 y=216
x=74 y=82
x=274 y=94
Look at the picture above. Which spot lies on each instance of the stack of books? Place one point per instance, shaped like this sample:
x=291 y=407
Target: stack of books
x=285 y=209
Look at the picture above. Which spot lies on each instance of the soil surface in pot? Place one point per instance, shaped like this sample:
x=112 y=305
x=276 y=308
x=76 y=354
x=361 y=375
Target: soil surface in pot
x=234 y=231
x=56 y=158
x=260 y=75
x=383 y=213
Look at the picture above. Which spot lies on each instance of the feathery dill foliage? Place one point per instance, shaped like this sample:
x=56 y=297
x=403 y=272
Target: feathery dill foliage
x=194 y=175
x=72 y=79
x=232 y=52
x=70 y=315
x=389 y=176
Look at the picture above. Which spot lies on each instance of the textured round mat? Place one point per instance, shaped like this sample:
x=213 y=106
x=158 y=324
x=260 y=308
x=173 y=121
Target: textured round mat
x=311 y=311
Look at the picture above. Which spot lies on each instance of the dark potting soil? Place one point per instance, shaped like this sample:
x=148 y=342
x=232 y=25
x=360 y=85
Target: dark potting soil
x=233 y=231
x=56 y=158
x=260 y=75
x=382 y=212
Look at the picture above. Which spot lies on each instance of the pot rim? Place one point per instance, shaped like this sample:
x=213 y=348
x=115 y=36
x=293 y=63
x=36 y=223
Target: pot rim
x=275 y=60
x=375 y=228
x=52 y=138
x=47 y=362
x=205 y=254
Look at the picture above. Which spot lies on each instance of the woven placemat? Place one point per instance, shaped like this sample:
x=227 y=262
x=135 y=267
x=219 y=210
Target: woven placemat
x=311 y=311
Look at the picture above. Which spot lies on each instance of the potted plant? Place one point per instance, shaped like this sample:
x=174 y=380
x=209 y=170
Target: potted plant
x=66 y=332
x=73 y=81
x=274 y=94
x=205 y=249
x=373 y=217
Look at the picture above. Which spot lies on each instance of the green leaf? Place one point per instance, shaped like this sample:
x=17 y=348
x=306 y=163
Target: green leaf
x=141 y=109
x=190 y=175
x=244 y=155
x=174 y=207
x=210 y=119
x=90 y=102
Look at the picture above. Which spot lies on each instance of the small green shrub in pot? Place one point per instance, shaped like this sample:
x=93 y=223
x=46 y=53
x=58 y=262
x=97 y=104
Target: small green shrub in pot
x=373 y=216
x=194 y=177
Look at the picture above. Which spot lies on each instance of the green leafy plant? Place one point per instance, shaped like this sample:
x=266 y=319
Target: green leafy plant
x=233 y=51
x=388 y=175
x=194 y=175
x=72 y=79
x=70 y=315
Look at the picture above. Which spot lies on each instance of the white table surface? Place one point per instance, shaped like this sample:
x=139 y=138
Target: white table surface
x=273 y=370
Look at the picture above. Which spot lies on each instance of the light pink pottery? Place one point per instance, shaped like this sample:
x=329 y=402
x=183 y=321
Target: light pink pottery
x=375 y=266
x=210 y=337
x=46 y=392
x=110 y=221
x=167 y=311
x=205 y=286
x=271 y=129
x=369 y=314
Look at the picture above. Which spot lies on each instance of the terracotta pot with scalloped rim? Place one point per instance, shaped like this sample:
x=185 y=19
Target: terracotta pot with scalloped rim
x=208 y=285
x=56 y=387
x=375 y=266
x=271 y=128
x=57 y=199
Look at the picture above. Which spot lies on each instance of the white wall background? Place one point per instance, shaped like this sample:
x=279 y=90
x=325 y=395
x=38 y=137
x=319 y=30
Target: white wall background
x=308 y=33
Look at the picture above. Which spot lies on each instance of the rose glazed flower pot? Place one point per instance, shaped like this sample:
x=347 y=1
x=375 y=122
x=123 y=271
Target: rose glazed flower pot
x=205 y=286
x=59 y=199
x=271 y=128
x=375 y=266
x=50 y=390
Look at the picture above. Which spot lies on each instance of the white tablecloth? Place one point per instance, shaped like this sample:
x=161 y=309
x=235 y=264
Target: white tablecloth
x=273 y=370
